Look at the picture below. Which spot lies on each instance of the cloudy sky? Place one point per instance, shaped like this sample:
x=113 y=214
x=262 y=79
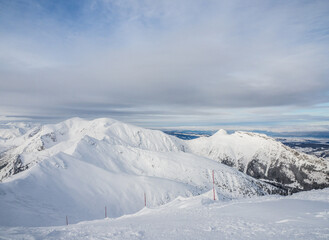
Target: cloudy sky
x=239 y=64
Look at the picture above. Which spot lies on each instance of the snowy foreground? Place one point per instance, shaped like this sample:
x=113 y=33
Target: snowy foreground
x=300 y=216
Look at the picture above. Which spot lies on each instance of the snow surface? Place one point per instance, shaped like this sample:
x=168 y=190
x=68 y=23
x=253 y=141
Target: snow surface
x=300 y=216
x=78 y=167
x=14 y=134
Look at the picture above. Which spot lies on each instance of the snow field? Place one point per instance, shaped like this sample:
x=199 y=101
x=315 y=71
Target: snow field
x=267 y=217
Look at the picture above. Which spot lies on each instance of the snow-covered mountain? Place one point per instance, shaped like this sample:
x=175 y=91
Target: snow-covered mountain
x=264 y=158
x=78 y=167
x=39 y=143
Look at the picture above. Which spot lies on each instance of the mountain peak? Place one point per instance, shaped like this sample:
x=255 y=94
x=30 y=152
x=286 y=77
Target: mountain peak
x=220 y=132
x=264 y=158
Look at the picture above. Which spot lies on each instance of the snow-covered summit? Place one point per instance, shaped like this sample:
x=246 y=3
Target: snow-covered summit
x=264 y=158
x=46 y=141
x=74 y=129
x=220 y=132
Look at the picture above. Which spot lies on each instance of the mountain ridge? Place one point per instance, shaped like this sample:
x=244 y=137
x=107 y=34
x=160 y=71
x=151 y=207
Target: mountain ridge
x=264 y=158
x=78 y=167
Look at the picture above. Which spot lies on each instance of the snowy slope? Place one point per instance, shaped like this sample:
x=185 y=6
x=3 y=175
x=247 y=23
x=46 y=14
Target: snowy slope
x=43 y=142
x=264 y=158
x=301 y=216
x=13 y=134
x=10 y=131
x=78 y=167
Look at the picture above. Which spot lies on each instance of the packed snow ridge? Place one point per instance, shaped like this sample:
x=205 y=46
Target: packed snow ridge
x=78 y=167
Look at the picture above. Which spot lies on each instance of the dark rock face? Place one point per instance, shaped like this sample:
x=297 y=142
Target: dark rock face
x=291 y=175
x=228 y=161
x=10 y=165
x=278 y=175
x=256 y=169
x=18 y=165
x=303 y=176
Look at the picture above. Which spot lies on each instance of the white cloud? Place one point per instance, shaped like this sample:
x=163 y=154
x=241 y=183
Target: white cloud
x=177 y=57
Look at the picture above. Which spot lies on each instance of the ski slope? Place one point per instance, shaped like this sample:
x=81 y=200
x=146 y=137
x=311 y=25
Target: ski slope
x=303 y=215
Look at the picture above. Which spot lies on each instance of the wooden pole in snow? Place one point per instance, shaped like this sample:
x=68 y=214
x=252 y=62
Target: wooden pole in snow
x=105 y=212
x=67 y=221
x=213 y=184
x=144 y=199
